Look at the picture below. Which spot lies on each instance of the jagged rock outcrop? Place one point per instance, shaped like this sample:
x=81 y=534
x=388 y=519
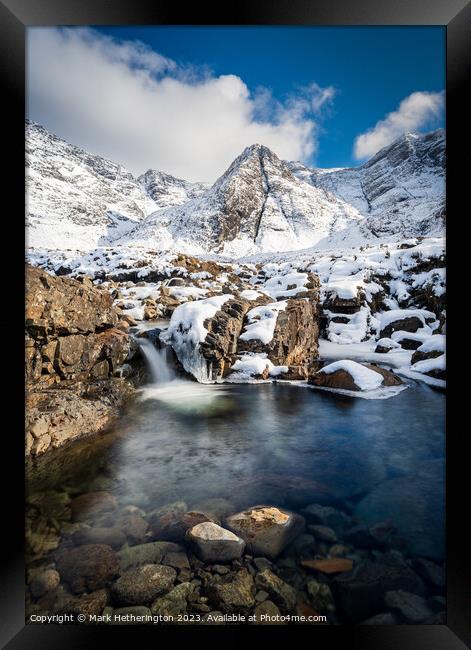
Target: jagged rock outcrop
x=295 y=338
x=74 y=348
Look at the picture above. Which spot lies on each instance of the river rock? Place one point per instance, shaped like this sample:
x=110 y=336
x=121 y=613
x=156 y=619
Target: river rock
x=212 y=543
x=173 y=603
x=267 y=613
x=323 y=533
x=342 y=379
x=92 y=505
x=409 y=607
x=377 y=536
x=150 y=553
x=86 y=604
x=326 y=516
x=232 y=593
x=143 y=584
x=43 y=582
x=88 y=567
x=408 y=324
x=133 y=525
x=112 y=536
x=320 y=595
x=359 y=593
x=279 y=591
x=267 y=530
x=137 y=611
x=172 y=526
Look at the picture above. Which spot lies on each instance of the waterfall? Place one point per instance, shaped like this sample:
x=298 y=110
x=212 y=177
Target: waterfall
x=160 y=370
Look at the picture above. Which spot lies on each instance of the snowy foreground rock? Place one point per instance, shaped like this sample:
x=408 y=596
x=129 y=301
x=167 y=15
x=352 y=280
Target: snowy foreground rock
x=350 y=375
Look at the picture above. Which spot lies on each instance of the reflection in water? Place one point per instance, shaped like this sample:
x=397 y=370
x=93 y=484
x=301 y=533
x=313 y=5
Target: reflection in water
x=270 y=443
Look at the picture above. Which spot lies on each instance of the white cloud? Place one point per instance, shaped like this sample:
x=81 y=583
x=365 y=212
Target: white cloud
x=418 y=110
x=128 y=103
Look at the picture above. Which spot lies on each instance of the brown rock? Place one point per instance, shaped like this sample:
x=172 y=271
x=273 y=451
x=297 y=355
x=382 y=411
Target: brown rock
x=142 y=585
x=92 y=505
x=112 y=536
x=267 y=530
x=88 y=567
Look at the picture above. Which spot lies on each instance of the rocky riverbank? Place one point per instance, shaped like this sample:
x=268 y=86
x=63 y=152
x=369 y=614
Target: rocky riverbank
x=76 y=348
x=211 y=565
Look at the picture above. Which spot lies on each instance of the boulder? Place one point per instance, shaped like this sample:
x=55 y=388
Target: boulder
x=212 y=543
x=406 y=324
x=220 y=345
x=295 y=337
x=350 y=375
x=267 y=530
x=88 y=567
x=142 y=585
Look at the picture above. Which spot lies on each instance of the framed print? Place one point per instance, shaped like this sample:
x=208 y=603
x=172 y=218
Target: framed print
x=237 y=407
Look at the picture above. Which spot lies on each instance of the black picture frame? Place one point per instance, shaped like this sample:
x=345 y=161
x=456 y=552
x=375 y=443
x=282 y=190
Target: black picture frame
x=15 y=17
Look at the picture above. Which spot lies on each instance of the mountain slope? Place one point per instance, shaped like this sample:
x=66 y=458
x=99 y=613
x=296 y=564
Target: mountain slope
x=256 y=205
x=79 y=200
x=399 y=191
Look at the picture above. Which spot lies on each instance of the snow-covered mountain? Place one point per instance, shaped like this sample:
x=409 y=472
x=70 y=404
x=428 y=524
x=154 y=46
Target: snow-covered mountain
x=79 y=200
x=167 y=191
x=400 y=191
x=260 y=204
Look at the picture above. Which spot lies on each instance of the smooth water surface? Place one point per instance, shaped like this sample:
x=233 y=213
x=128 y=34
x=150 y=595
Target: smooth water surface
x=271 y=443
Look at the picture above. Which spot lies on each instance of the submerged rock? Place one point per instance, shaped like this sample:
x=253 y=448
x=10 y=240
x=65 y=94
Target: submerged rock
x=44 y=582
x=141 y=585
x=359 y=593
x=409 y=607
x=212 y=543
x=267 y=530
x=88 y=567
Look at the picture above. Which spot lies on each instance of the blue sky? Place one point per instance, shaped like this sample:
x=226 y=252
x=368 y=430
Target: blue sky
x=365 y=72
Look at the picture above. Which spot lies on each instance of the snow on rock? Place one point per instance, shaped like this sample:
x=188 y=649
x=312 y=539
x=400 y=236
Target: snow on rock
x=395 y=315
x=256 y=365
x=285 y=286
x=186 y=331
x=429 y=365
x=262 y=322
x=363 y=377
x=434 y=343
